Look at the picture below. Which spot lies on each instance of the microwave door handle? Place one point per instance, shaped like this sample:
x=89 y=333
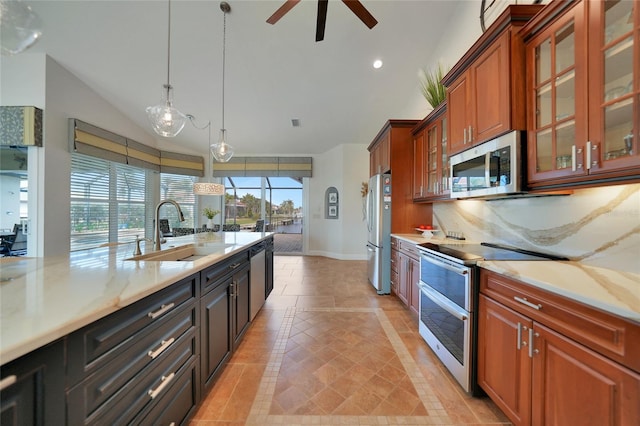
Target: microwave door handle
x=442 y=302
x=459 y=271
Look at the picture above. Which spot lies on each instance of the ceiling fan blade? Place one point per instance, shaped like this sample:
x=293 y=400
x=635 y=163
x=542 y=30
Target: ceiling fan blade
x=282 y=10
x=322 y=19
x=361 y=12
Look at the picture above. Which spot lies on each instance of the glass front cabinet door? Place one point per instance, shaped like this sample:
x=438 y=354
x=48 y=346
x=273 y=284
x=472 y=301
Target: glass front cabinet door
x=582 y=90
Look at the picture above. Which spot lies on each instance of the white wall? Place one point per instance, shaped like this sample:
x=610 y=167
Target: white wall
x=345 y=168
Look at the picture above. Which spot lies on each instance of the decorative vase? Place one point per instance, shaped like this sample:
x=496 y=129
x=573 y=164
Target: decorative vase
x=210 y=224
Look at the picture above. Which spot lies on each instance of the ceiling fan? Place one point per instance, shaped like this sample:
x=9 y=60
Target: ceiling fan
x=355 y=6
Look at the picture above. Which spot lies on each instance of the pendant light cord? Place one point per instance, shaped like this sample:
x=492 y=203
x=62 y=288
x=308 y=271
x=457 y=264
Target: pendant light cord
x=169 y=49
x=224 y=51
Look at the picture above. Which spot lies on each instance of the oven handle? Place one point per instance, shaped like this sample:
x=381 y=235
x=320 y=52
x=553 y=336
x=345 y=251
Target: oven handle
x=443 y=302
x=459 y=271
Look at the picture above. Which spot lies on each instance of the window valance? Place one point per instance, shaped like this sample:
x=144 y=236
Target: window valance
x=85 y=138
x=264 y=167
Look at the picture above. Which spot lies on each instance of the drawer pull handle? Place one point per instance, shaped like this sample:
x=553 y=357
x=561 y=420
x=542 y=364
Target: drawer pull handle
x=165 y=381
x=519 y=337
x=234 y=266
x=8 y=381
x=164 y=345
x=163 y=309
x=525 y=302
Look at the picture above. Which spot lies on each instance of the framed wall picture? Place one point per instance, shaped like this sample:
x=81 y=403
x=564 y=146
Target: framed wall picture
x=331 y=203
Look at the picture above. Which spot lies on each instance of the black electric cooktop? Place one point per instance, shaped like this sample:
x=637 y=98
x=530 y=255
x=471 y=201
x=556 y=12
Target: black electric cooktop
x=471 y=253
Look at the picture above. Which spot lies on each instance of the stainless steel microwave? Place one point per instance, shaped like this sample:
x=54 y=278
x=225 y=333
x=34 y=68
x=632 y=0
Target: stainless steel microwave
x=492 y=168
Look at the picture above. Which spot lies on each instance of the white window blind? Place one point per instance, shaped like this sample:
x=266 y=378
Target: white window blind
x=180 y=189
x=108 y=202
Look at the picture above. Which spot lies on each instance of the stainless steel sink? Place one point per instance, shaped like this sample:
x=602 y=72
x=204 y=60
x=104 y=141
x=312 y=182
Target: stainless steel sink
x=186 y=253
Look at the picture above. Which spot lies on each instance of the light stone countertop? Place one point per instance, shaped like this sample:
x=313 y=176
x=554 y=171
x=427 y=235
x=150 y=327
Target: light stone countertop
x=609 y=290
x=43 y=299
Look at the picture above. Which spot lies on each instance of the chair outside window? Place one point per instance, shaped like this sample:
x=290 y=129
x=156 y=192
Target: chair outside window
x=260 y=225
x=16 y=244
x=164 y=228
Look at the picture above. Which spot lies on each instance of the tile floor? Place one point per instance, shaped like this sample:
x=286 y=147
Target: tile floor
x=327 y=350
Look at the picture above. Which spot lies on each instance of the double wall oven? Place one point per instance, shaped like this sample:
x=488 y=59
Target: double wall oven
x=449 y=285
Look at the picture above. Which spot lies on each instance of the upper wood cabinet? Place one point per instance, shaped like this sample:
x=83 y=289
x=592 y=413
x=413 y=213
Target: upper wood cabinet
x=583 y=86
x=396 y=134
x=485 y=89
x=430 y=157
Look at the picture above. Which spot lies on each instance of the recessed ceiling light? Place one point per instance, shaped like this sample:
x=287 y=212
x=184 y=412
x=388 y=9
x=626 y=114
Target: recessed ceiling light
x=377 y=64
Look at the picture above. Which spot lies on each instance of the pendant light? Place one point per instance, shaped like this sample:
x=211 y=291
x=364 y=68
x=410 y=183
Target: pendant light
x=165 y=119
x=221 y=150
x=206 y=188
x=20 y=27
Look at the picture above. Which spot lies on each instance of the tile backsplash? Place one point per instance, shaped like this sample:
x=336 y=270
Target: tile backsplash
x=596 y=226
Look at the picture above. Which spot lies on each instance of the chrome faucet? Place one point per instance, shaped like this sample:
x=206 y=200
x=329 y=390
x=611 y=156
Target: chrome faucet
x=158 y=240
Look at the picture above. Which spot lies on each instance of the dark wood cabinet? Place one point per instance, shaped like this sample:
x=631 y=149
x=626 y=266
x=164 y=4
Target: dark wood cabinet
x=126 y=360
x=485 y=88
x=405 y=214
x=32 y=388
x=583 y=89
x=380 y=155
x=225 y=313
x=544 y=359
x=268 y=286
x=430 y=157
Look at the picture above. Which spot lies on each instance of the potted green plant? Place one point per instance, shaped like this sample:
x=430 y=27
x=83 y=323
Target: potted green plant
x=431 y=86
x=210 y=214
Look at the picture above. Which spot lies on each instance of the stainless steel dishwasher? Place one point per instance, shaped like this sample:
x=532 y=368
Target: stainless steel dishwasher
x=257 y=279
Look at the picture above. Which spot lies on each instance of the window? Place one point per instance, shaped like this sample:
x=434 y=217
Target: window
x=108 y=202
x=180 y=189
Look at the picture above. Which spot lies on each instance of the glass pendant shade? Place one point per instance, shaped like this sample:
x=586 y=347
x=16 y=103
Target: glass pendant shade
x=222 y=151
x=165 y=119
x=208 y=188
x=20 y=27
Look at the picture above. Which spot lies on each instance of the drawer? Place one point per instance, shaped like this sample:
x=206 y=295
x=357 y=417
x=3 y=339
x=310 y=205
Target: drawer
x=149 y=347
x=409 y=249
x=180 y=401
x=96 y=344
x=211 y=276
x=607 y=334
x=394 y=281
x=140 y=393
x=395 y=243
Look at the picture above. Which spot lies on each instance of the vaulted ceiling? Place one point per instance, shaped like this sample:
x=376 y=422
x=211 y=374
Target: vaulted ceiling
x=274 y=73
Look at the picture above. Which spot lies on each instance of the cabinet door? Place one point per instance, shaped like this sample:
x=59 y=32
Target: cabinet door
x=419 y=165
x=269 y=269
x=458 y=112
x=504 y=366
x=613 y=85
x=241 y=313
x=574 y=385
x=403 y=272
x=215 y=332
x=414 y=289
x=32 y=388
x=491 y=95
x=557 y=93
x=444 y=165
x=432 y=169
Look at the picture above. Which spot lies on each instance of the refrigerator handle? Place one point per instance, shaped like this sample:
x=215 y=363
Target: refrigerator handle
x=368 y=210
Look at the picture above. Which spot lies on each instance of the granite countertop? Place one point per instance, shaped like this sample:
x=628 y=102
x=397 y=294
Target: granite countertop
x=43 y=299
x=612 y=291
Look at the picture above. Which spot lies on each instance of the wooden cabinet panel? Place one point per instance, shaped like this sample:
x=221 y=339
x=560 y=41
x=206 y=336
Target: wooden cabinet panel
x=414 y=289
x=405 y=215
x=403 y=282
x=419 y=164
x=33 y=388
x=533 y=363
x=582 y=116
x=485 y=88
x=574 y=385
x=215 y=332
x=504 y=368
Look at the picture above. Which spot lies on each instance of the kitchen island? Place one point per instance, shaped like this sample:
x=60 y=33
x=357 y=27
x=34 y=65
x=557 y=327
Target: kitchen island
x=121 y=338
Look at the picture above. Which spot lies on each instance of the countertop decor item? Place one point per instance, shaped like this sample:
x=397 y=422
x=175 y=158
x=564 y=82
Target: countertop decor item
x=166 y=120
x=431 y=86
x=221 y=150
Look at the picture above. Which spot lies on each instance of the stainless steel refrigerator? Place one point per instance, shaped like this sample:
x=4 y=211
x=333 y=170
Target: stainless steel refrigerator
x=379 y=227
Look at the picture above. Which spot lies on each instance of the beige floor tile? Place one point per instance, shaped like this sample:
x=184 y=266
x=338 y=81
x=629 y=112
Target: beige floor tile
x=326 y=349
